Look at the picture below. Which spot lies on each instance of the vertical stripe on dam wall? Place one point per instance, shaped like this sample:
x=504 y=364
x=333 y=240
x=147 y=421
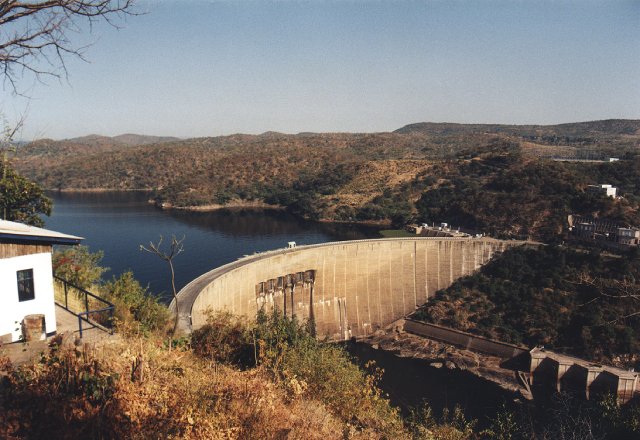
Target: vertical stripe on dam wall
x=356 y=287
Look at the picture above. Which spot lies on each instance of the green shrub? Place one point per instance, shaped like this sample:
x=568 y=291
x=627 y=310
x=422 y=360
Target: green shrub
x=421 y=424
x=387 y=207
x=225 y=338
x=78 y=266
x=323 y=370
x=300 y=363
x=22 y=200
x=345 y=213
x=136 y=308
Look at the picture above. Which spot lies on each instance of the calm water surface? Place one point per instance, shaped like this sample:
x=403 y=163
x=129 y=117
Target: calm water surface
x=410 y=383
x=118 y=223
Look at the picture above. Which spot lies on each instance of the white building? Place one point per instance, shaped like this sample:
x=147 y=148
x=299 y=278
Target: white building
x=629 y=236
x=606 y=189
x=26 y=279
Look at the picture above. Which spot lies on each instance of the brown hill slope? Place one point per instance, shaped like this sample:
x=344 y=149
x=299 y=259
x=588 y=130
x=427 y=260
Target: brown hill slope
x=610 y=127
x=138 y=139
x=343 y=176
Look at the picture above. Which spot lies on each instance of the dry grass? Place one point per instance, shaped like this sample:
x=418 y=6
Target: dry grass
x=375 y=176
x=75 y=303
x=138 y=389
x=75 y=298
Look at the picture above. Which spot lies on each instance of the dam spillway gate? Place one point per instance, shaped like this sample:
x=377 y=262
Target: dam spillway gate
x=349 y=288
x=291 y=294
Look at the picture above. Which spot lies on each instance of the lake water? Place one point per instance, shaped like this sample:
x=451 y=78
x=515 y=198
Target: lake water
x=118 y=223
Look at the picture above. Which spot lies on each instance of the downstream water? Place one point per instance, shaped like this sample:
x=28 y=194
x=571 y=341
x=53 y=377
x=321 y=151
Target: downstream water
x=119 y=222
x=411 y=383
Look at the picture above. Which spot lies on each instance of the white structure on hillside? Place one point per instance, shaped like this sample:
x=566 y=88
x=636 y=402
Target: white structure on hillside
x=605 y=189
x=26 y=280
x=629 y=236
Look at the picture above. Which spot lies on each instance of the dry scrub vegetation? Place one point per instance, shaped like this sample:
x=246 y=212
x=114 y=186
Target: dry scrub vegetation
x=140 y=389
x=233 y=380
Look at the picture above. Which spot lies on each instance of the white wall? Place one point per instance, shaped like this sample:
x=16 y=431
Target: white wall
x=13 y=311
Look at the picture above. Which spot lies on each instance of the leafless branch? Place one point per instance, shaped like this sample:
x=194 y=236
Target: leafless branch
x=175 y=248
x=623 y=317
x=627 y=289
x=9 y=131
x=7 y=141
x=617 y=289
x=34 y=34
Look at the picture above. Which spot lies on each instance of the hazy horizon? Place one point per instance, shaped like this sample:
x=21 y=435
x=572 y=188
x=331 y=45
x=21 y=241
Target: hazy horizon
x=209 y=68
x=318 y=132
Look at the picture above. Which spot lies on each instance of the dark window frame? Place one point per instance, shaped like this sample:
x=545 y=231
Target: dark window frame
x=26 y=288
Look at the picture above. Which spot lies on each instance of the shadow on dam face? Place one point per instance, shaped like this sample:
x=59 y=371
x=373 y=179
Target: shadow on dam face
x=349 y=288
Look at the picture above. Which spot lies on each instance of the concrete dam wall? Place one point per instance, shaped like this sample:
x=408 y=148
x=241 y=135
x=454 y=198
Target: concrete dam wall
x=349 y=288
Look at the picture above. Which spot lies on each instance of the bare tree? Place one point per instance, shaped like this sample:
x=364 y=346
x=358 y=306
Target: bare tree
x=6 y=141
x=175 y=248
x=627 y=290
x=20 y=199
x=34 y=34
x=6 y=146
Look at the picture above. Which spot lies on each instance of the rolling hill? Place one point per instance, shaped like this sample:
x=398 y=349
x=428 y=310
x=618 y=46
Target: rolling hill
x=466 y=174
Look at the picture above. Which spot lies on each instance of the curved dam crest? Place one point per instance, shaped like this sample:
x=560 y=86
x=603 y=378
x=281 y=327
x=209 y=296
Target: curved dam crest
x=349 y=288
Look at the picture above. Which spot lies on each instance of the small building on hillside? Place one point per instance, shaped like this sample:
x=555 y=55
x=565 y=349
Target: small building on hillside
x=606 y=231
x=629 y=236
x=26 y=279
x=605 y=189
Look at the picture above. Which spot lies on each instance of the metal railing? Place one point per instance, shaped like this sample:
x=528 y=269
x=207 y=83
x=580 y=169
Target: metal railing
x=87 y=306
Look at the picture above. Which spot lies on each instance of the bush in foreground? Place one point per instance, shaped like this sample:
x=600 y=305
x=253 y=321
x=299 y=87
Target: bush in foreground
x=135 y=308
x=302 y=366
x=135 y=389
x=79 y=266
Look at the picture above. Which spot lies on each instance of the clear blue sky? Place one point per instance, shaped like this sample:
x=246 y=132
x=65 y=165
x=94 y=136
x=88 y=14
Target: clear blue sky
x=206 y=68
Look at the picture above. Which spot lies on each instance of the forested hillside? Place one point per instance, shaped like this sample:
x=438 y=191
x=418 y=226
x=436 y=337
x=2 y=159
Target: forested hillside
x=579 y=302
x=497 y=179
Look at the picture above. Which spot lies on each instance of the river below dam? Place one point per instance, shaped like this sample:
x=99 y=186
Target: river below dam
x=410 y=383
x=117 y=223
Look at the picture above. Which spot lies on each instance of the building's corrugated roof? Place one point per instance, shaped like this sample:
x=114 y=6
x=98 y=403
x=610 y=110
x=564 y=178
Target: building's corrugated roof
x=20 y=231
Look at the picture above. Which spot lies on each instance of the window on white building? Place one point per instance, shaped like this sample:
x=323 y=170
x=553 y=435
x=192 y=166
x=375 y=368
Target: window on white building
x=25 y=285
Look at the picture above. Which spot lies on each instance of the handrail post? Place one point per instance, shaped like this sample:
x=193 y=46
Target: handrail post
x=110 y=309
